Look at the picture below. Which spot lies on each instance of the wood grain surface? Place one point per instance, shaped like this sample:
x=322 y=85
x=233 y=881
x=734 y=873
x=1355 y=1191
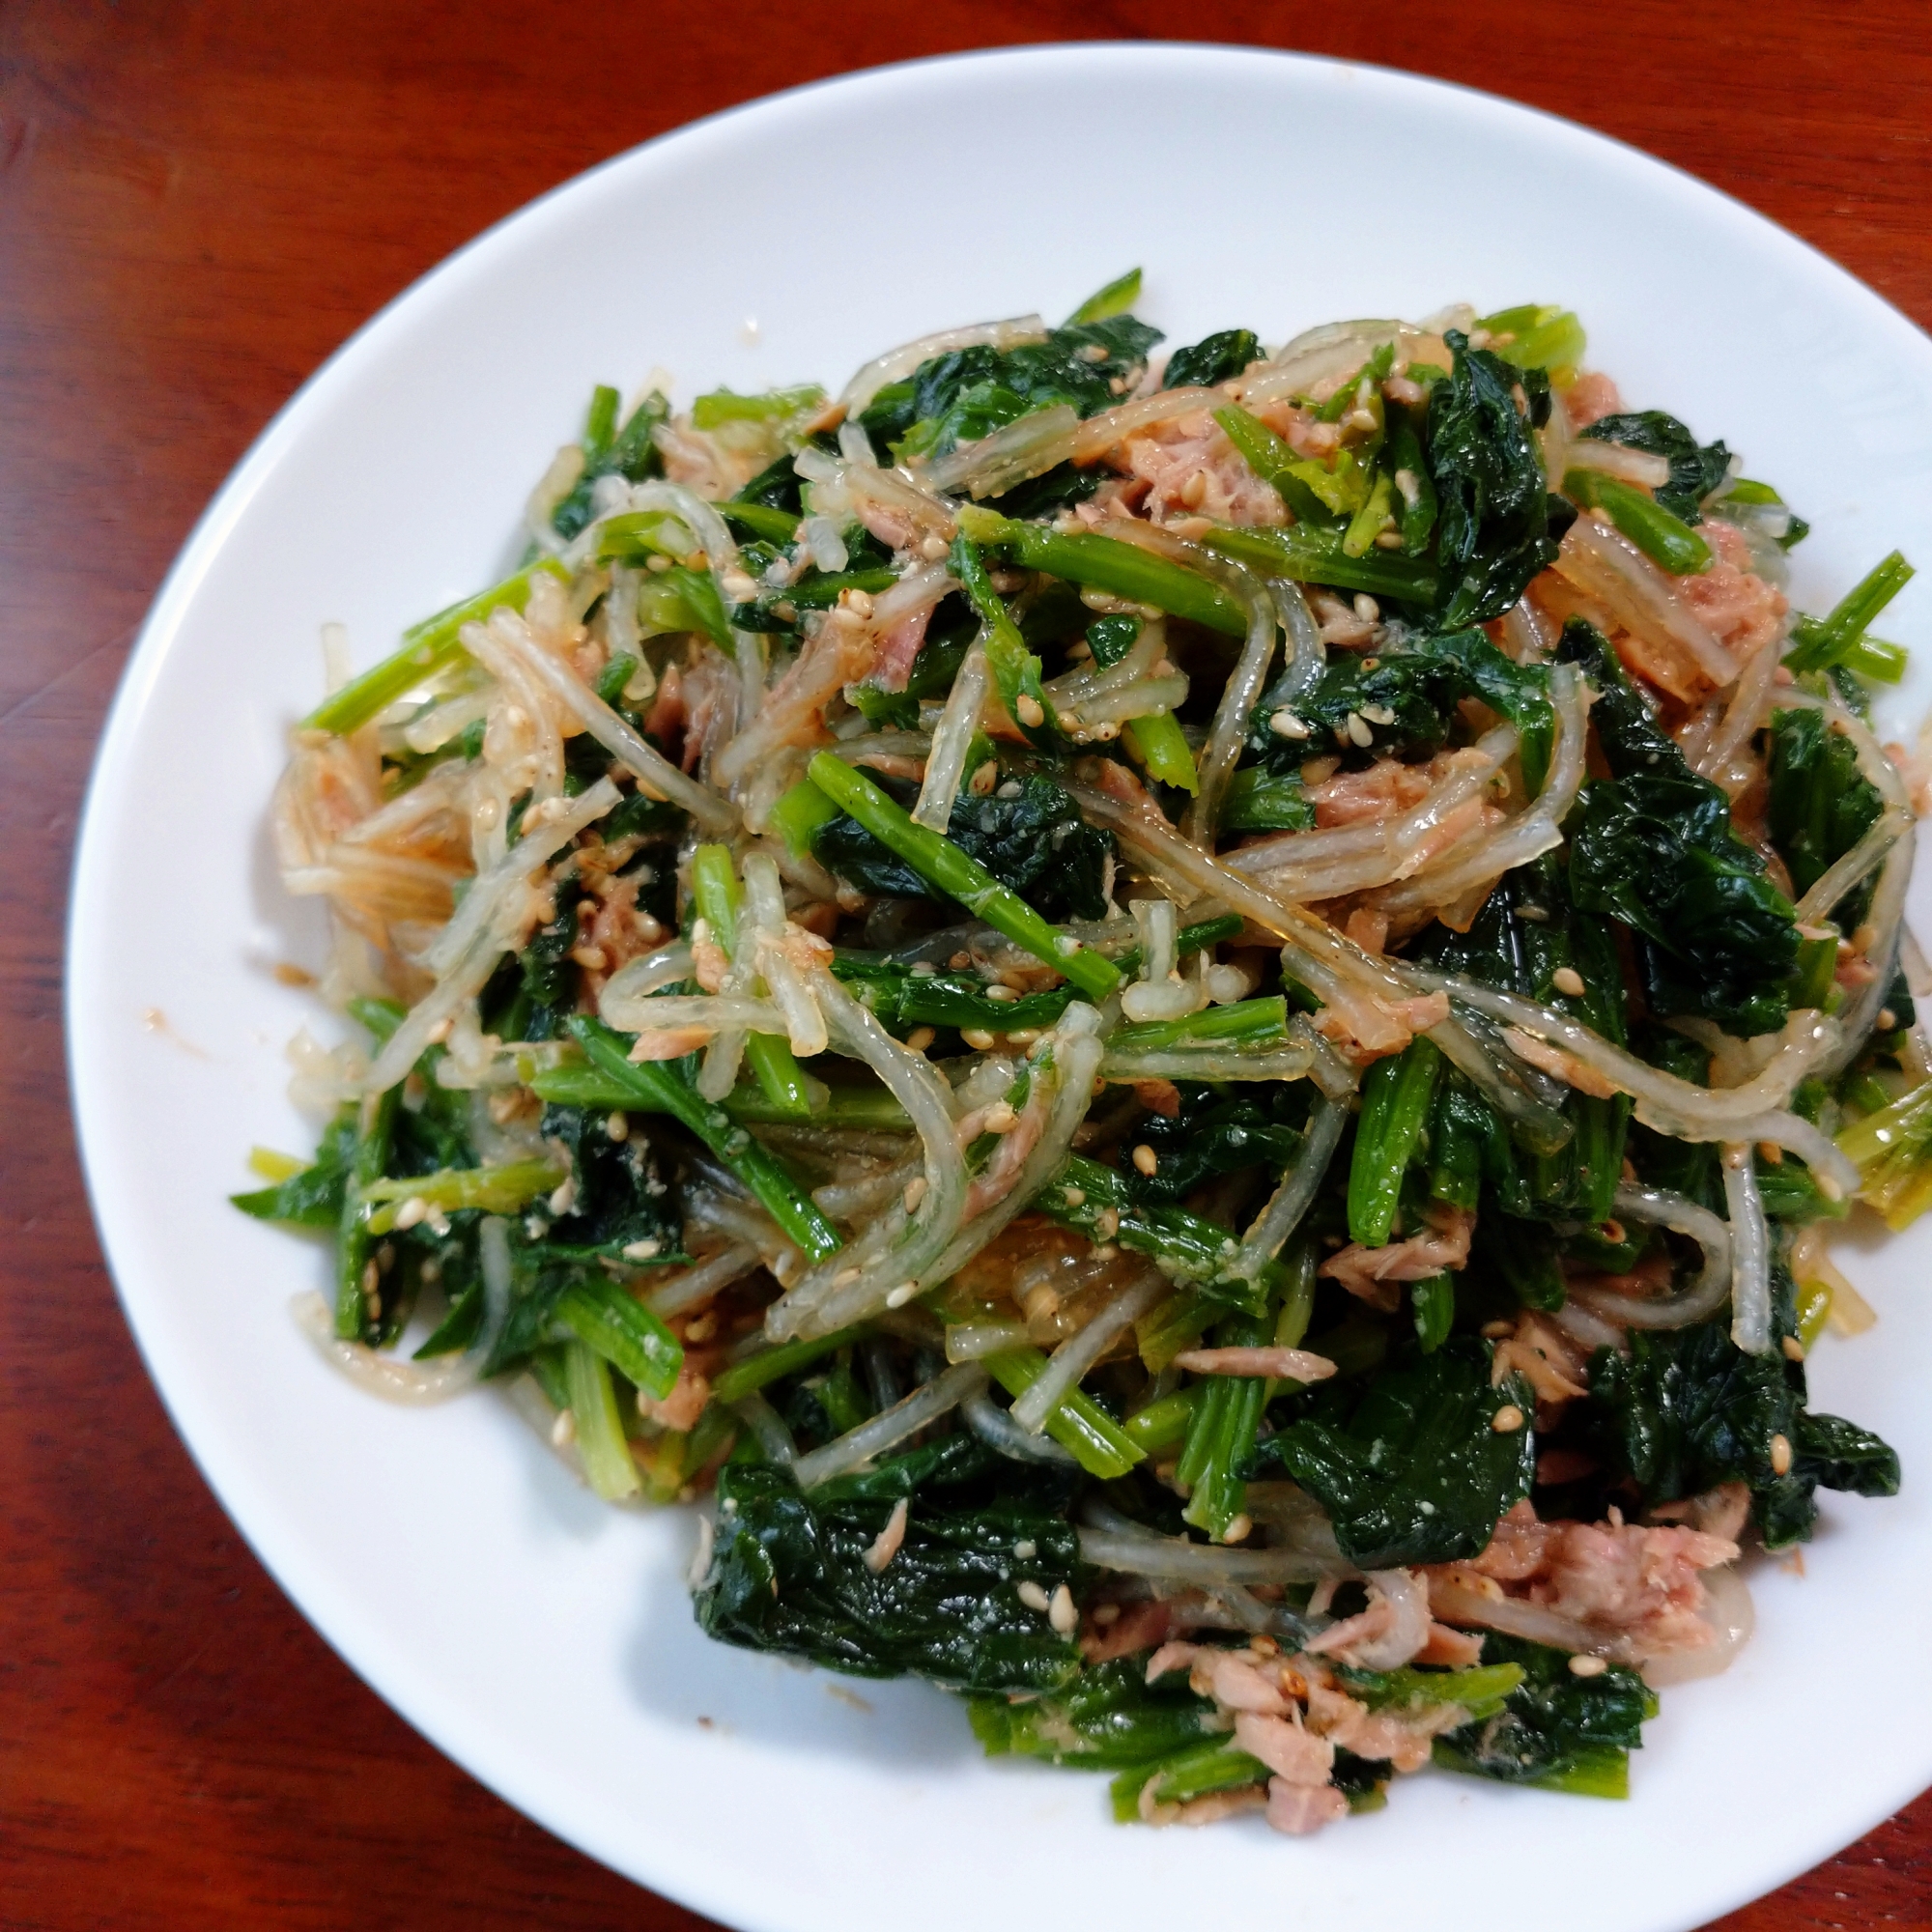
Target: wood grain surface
x=198 y=201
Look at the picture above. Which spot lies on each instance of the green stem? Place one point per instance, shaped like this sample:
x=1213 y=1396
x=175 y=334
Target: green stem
x=625 y=1333
x=1316 y=557
x=1107 y=564
x=1825 y=642
x=654 y=1087
x=426 y=647
x=374 y=1138
x=1078 y=1423
x=1667 y=540
x=606 y=1455
x=770 y=1365
x=1396 y=1096
x=1163 y=750
x=1247 y=1020
x=942 y=864
x=713 y=885
x=1161 y=1424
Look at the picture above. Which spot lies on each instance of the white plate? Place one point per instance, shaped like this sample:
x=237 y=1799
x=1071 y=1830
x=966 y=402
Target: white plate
x=545 y=1641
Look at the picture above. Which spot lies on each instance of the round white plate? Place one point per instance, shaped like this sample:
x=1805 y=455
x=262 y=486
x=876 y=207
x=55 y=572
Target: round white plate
x=545 y=1641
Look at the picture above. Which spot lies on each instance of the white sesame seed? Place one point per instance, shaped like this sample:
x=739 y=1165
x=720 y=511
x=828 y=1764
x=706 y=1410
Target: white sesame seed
x=1887 y=1020
x=1238 y=1528
x=1145 y=1160
x=413 y=1210
x=1567 y=979
x=1032 y=1596
x=844 y=1278
x=903 y=1294
x=933 y=548
x=978 y=1038
x=1000 y=1119
x=1379 y=714
x=1583 y=1664
x=618 y=1127
x=1781 y=1455
x=1002 y=993
x=1061 y=1613
x=1358 y=732
x=1075 y=1197
x=1028 y=709
x=1367 y=608
x=641 y=1251
x=1286 y=725
x=921 y=1038
x=914 y=1193
x=1507 y=1420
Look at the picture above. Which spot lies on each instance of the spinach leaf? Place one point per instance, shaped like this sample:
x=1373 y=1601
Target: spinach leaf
x=313 y=1197
x=1216 y=1133
x=1555 y=1729
x=1653 y=846
x=776 y=487
x=968 y=394
x=1839 y=1455
x=547 y=993
x=1213 y=360
x=1407 y=1464
x=789 y=1574
x=1407 y=697
x=619 y=1200
x=1106 y=1718
x=1526 y=932
x=1820 y=804
x=1034 y=842
x=1494 y=507
x=1696 y=469
x=629 y=452
x=1059 y=488
x=1687 y=1409
x=1259 y=799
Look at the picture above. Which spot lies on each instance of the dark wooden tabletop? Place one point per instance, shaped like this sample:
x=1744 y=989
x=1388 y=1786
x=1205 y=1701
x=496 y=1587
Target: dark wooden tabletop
x=199 y=199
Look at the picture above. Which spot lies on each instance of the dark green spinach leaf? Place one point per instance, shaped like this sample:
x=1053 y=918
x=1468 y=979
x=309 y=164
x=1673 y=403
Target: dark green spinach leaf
x=1555 y=1729
x=788 y=1572
x=1687 y=1409
x=1408 y=1464
x=1034 y=842
x=1494 y=510
x=1653 y=846
x=1215 y=359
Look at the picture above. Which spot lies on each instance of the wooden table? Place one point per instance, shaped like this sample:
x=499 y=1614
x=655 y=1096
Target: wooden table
x=198 y=201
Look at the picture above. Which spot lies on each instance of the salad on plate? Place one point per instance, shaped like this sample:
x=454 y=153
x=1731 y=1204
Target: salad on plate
x=1181 y=1030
